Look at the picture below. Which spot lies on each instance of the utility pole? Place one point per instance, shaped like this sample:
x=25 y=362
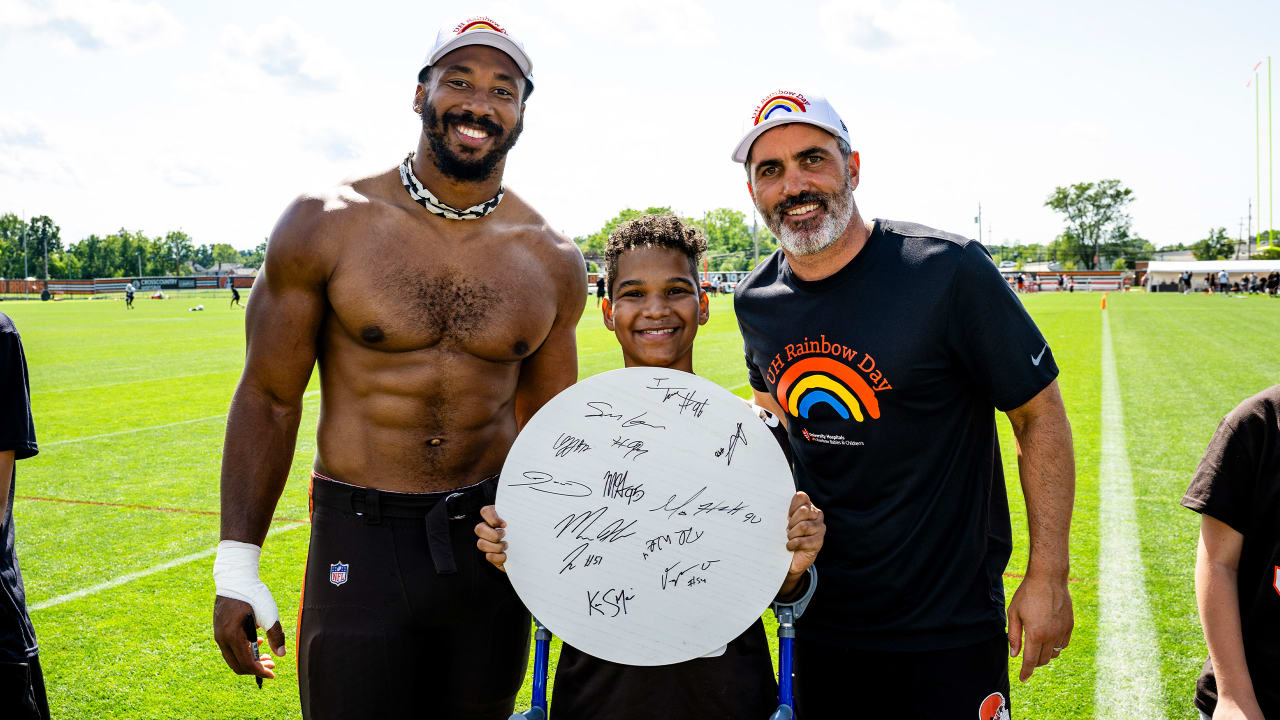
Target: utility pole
x=139 y=264
x=26 y=284
x=755 y=238
x=1250 y=216
x=978 y=220
x=46 y=255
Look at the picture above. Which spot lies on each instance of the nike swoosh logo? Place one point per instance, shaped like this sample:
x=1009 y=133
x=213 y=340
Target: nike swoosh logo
x=1035 y=359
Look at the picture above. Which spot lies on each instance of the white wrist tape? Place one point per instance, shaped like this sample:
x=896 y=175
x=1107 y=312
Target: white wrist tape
x=235 y=575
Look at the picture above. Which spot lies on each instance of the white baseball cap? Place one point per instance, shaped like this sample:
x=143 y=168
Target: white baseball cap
x=480 y=31
x=787 y=106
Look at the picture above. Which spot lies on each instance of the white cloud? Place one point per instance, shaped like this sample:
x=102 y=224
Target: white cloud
x=642 y=23
x=94 y=25
x=897 y=32
x=26 y=154
x=334 y=145
x=285 y=52
x=18 y=132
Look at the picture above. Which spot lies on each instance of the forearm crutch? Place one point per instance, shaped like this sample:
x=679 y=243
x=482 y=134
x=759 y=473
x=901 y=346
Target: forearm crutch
x=541 y=655
x=787 y=613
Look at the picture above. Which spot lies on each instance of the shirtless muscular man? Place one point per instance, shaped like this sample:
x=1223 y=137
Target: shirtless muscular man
x=429 y=365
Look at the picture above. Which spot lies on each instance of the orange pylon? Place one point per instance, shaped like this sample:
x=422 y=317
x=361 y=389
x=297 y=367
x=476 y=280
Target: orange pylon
x=1104 y=301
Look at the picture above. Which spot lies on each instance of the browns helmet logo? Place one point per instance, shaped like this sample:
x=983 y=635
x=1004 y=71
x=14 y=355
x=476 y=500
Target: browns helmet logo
x=993 y=707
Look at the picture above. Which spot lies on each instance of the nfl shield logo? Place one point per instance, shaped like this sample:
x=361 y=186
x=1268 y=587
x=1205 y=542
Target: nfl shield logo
x=338 y=573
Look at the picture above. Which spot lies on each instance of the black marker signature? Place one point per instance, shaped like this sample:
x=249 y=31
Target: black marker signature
x=602 y=409
x=570 y=445
x=615 y=486
x=580 y=523
x=671 y=581
x=544 y=483
x=688 y=398
x=574 y=554
x=614 y=598
x=733 y=444
x=634 y=447
x=678 y=508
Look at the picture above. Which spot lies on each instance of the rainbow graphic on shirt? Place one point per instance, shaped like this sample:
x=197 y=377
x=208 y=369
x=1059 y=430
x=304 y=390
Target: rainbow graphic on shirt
x=813 y=373
x=479 y=23
x=819 y=380
x=781 y=101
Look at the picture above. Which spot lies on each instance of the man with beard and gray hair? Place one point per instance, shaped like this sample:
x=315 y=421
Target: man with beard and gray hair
x=429 y=365
x=885 y=347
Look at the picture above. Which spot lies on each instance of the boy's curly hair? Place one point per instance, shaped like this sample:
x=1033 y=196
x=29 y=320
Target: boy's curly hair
x=660 y=231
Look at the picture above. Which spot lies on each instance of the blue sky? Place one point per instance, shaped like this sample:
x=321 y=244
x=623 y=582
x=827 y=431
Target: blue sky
x=210 y=117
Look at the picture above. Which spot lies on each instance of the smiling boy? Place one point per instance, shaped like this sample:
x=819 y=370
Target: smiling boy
x=654 y=308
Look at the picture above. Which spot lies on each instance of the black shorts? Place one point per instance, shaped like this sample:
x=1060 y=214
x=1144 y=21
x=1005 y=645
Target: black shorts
x=401 y=615
x=22 y=695
x=834 y=680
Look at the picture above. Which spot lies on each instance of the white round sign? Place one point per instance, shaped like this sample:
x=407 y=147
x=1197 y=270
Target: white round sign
x=646 y=516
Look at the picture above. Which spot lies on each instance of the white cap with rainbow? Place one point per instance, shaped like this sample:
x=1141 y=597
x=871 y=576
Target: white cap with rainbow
x=479 y=31
x=786 y=106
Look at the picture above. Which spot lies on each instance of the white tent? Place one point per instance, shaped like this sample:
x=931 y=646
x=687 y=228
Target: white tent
x=1166 y=272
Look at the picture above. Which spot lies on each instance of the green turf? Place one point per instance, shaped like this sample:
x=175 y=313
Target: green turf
x=130 y=411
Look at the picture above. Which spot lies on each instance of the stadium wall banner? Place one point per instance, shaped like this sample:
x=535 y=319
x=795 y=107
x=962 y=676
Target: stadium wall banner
x=146 y=285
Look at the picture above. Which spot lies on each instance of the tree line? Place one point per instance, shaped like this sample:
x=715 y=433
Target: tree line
x=119 y=254
x=731 y=242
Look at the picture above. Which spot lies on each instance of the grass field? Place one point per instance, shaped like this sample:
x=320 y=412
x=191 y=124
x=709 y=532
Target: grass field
x=130 y=410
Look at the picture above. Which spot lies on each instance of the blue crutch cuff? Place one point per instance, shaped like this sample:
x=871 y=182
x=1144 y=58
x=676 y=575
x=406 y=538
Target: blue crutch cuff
x=798 y=605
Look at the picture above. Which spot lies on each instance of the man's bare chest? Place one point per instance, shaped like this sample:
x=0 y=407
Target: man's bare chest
x=497 y=303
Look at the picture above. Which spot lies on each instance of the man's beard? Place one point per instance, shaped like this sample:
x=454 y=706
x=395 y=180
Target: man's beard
x=459 y=167
x=812 y=236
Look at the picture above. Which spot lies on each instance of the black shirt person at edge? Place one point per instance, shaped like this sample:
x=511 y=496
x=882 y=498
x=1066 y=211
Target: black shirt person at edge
x=22 y=694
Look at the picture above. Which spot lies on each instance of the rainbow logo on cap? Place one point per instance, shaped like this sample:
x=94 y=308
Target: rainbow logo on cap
x=478 y=23
x=781 y=101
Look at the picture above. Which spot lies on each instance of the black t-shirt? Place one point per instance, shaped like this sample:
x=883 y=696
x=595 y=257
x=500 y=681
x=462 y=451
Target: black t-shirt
x=889 y=371
x=17 y=433
x=737 y=684
x=1238 y=482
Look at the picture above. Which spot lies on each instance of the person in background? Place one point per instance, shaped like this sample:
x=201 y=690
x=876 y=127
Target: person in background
x=128 y=295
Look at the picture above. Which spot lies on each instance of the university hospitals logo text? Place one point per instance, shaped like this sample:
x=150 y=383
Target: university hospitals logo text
x=814 y=373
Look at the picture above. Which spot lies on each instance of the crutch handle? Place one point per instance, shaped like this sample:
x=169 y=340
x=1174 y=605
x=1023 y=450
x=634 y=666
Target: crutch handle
x=782 y=713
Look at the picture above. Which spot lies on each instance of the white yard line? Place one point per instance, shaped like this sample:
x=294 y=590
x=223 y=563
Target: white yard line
x=130 y=577
x=148 y=428
x=1128 y=667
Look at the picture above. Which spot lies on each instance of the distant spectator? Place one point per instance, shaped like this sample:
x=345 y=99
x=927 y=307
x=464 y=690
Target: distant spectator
x=1211 y=282
x=235 y=296
x=22 y=695
x=599 y=288
x=128 y=295
x=1236 y=490
x=1062 y=282
x=1224 y=282
x=1273 y=283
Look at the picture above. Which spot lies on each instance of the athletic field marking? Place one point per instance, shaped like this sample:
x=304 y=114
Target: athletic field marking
x=131 y=431
x=1128 y=658
x=130 y=577
x=148 y=428
x=135 y=382
x=155 y=508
